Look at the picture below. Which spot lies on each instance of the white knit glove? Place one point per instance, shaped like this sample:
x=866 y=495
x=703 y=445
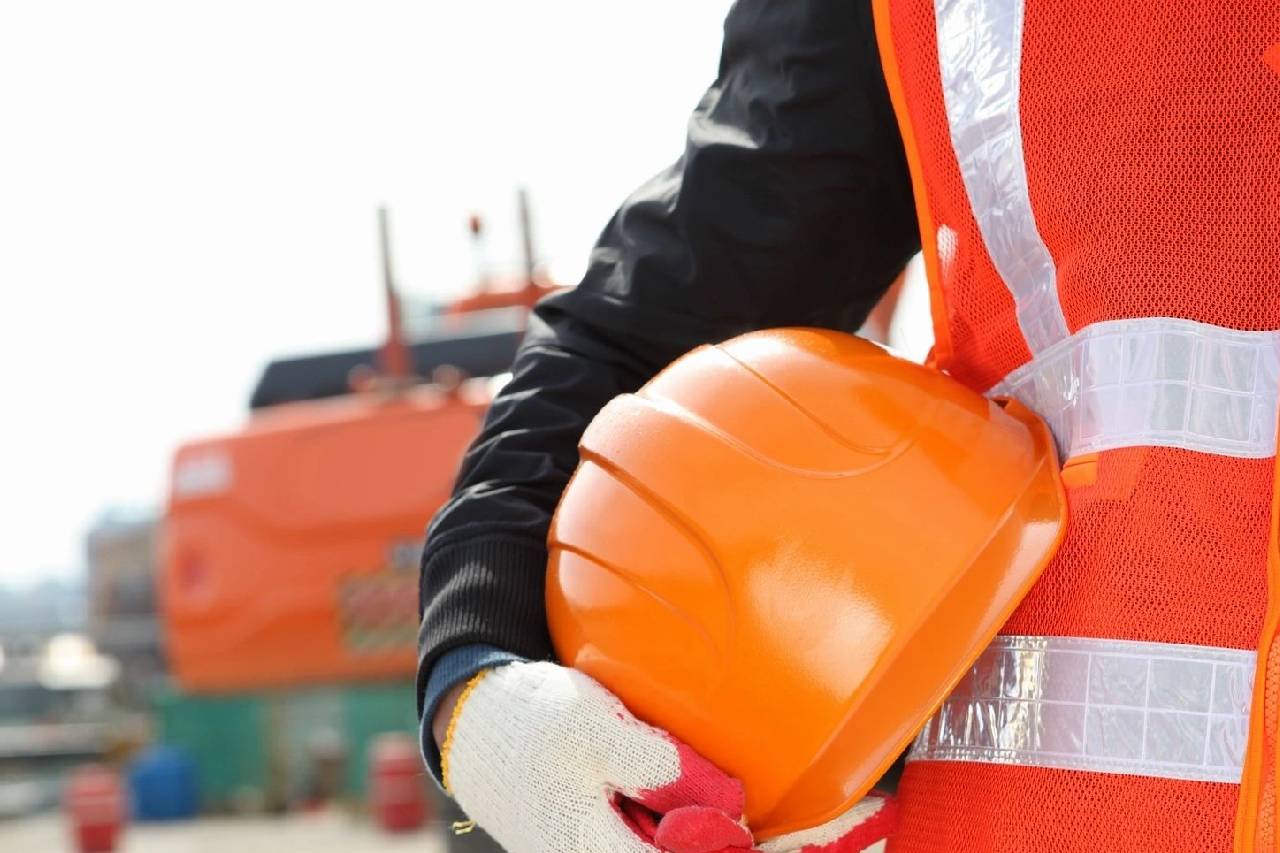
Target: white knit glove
x=548 y=761
x=863 y=827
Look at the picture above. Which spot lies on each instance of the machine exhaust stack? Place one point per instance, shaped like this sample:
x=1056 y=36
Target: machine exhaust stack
x=393 y=357
x=526 y=239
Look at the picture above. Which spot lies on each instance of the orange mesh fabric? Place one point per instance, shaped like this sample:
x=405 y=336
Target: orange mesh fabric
x=1152 y=141
x=986 y=342
x=1166 y=546
x=1153 y=157
x=952 y=807
x=1256 y=818
x=1265 y=832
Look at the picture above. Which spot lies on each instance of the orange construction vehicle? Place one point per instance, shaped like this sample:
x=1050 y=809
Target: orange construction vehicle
x=290 y=548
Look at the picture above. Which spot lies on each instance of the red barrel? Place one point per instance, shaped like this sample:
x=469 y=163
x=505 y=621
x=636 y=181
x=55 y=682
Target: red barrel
x=397 y=795
x=94 y=805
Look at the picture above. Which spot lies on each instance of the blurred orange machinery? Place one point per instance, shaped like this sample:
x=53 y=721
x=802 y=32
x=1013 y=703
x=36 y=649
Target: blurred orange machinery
x=290 y=548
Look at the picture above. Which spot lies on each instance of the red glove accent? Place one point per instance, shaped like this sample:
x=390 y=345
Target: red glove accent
x=700 y=812
x=699 y=829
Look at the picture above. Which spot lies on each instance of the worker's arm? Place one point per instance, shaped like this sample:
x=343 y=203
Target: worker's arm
x=790 y=206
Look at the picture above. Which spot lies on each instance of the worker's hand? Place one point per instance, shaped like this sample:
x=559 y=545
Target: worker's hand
x=544 y=758
x=869 y=822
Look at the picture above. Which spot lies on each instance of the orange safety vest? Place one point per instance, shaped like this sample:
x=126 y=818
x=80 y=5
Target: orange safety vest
x=1098 y=185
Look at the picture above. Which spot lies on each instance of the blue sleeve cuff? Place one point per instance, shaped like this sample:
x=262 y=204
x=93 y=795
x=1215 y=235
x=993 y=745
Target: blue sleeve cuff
x=451 y=669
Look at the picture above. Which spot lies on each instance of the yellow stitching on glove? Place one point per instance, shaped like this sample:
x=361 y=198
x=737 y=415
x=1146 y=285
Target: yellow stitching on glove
x=453 y=724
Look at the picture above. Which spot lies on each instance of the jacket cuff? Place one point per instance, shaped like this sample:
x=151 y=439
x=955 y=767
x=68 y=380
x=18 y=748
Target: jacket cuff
x=489 y=592
x=451 y=669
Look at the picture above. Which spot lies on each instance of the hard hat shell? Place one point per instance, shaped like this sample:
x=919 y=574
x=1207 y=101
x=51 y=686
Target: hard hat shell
x=787 y=549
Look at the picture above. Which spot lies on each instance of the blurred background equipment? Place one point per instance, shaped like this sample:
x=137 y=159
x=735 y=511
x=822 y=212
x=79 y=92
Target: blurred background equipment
x=395 y=787
x=289 y=557
x=291 y=546
x=122 y=617
x=163 y=785
x=54 y=685
x=250 y=650
x=96 y=809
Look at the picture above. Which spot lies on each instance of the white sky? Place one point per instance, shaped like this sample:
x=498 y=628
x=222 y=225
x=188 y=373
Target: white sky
x=188 y=189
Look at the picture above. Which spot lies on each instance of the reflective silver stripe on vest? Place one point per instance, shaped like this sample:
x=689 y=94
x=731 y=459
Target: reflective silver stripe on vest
x=1126 y=383
x=1156 y=381
x=1109 y=706
x=980 y=54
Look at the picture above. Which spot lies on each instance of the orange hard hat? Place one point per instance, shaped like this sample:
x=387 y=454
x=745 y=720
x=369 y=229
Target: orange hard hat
x=787 y=549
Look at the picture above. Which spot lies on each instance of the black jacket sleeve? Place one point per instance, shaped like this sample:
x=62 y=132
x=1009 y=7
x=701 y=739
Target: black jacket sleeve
x=791 y=206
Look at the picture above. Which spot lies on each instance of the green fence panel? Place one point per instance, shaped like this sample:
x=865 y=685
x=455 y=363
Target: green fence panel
x=262 y=747
x=225 y=735
x=371 y=710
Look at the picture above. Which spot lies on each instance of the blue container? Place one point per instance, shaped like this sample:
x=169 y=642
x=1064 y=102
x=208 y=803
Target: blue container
x=163 y=785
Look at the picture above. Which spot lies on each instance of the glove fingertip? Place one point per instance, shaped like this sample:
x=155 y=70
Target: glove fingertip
x=700 y=829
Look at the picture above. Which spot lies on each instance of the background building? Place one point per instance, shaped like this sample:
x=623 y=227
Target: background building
x=121 y=613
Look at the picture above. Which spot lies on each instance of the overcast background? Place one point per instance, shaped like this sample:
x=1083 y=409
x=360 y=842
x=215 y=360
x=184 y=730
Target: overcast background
x=187 y=190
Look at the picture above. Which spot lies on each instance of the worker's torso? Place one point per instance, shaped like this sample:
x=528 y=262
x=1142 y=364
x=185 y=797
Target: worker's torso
x=1101 y=184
